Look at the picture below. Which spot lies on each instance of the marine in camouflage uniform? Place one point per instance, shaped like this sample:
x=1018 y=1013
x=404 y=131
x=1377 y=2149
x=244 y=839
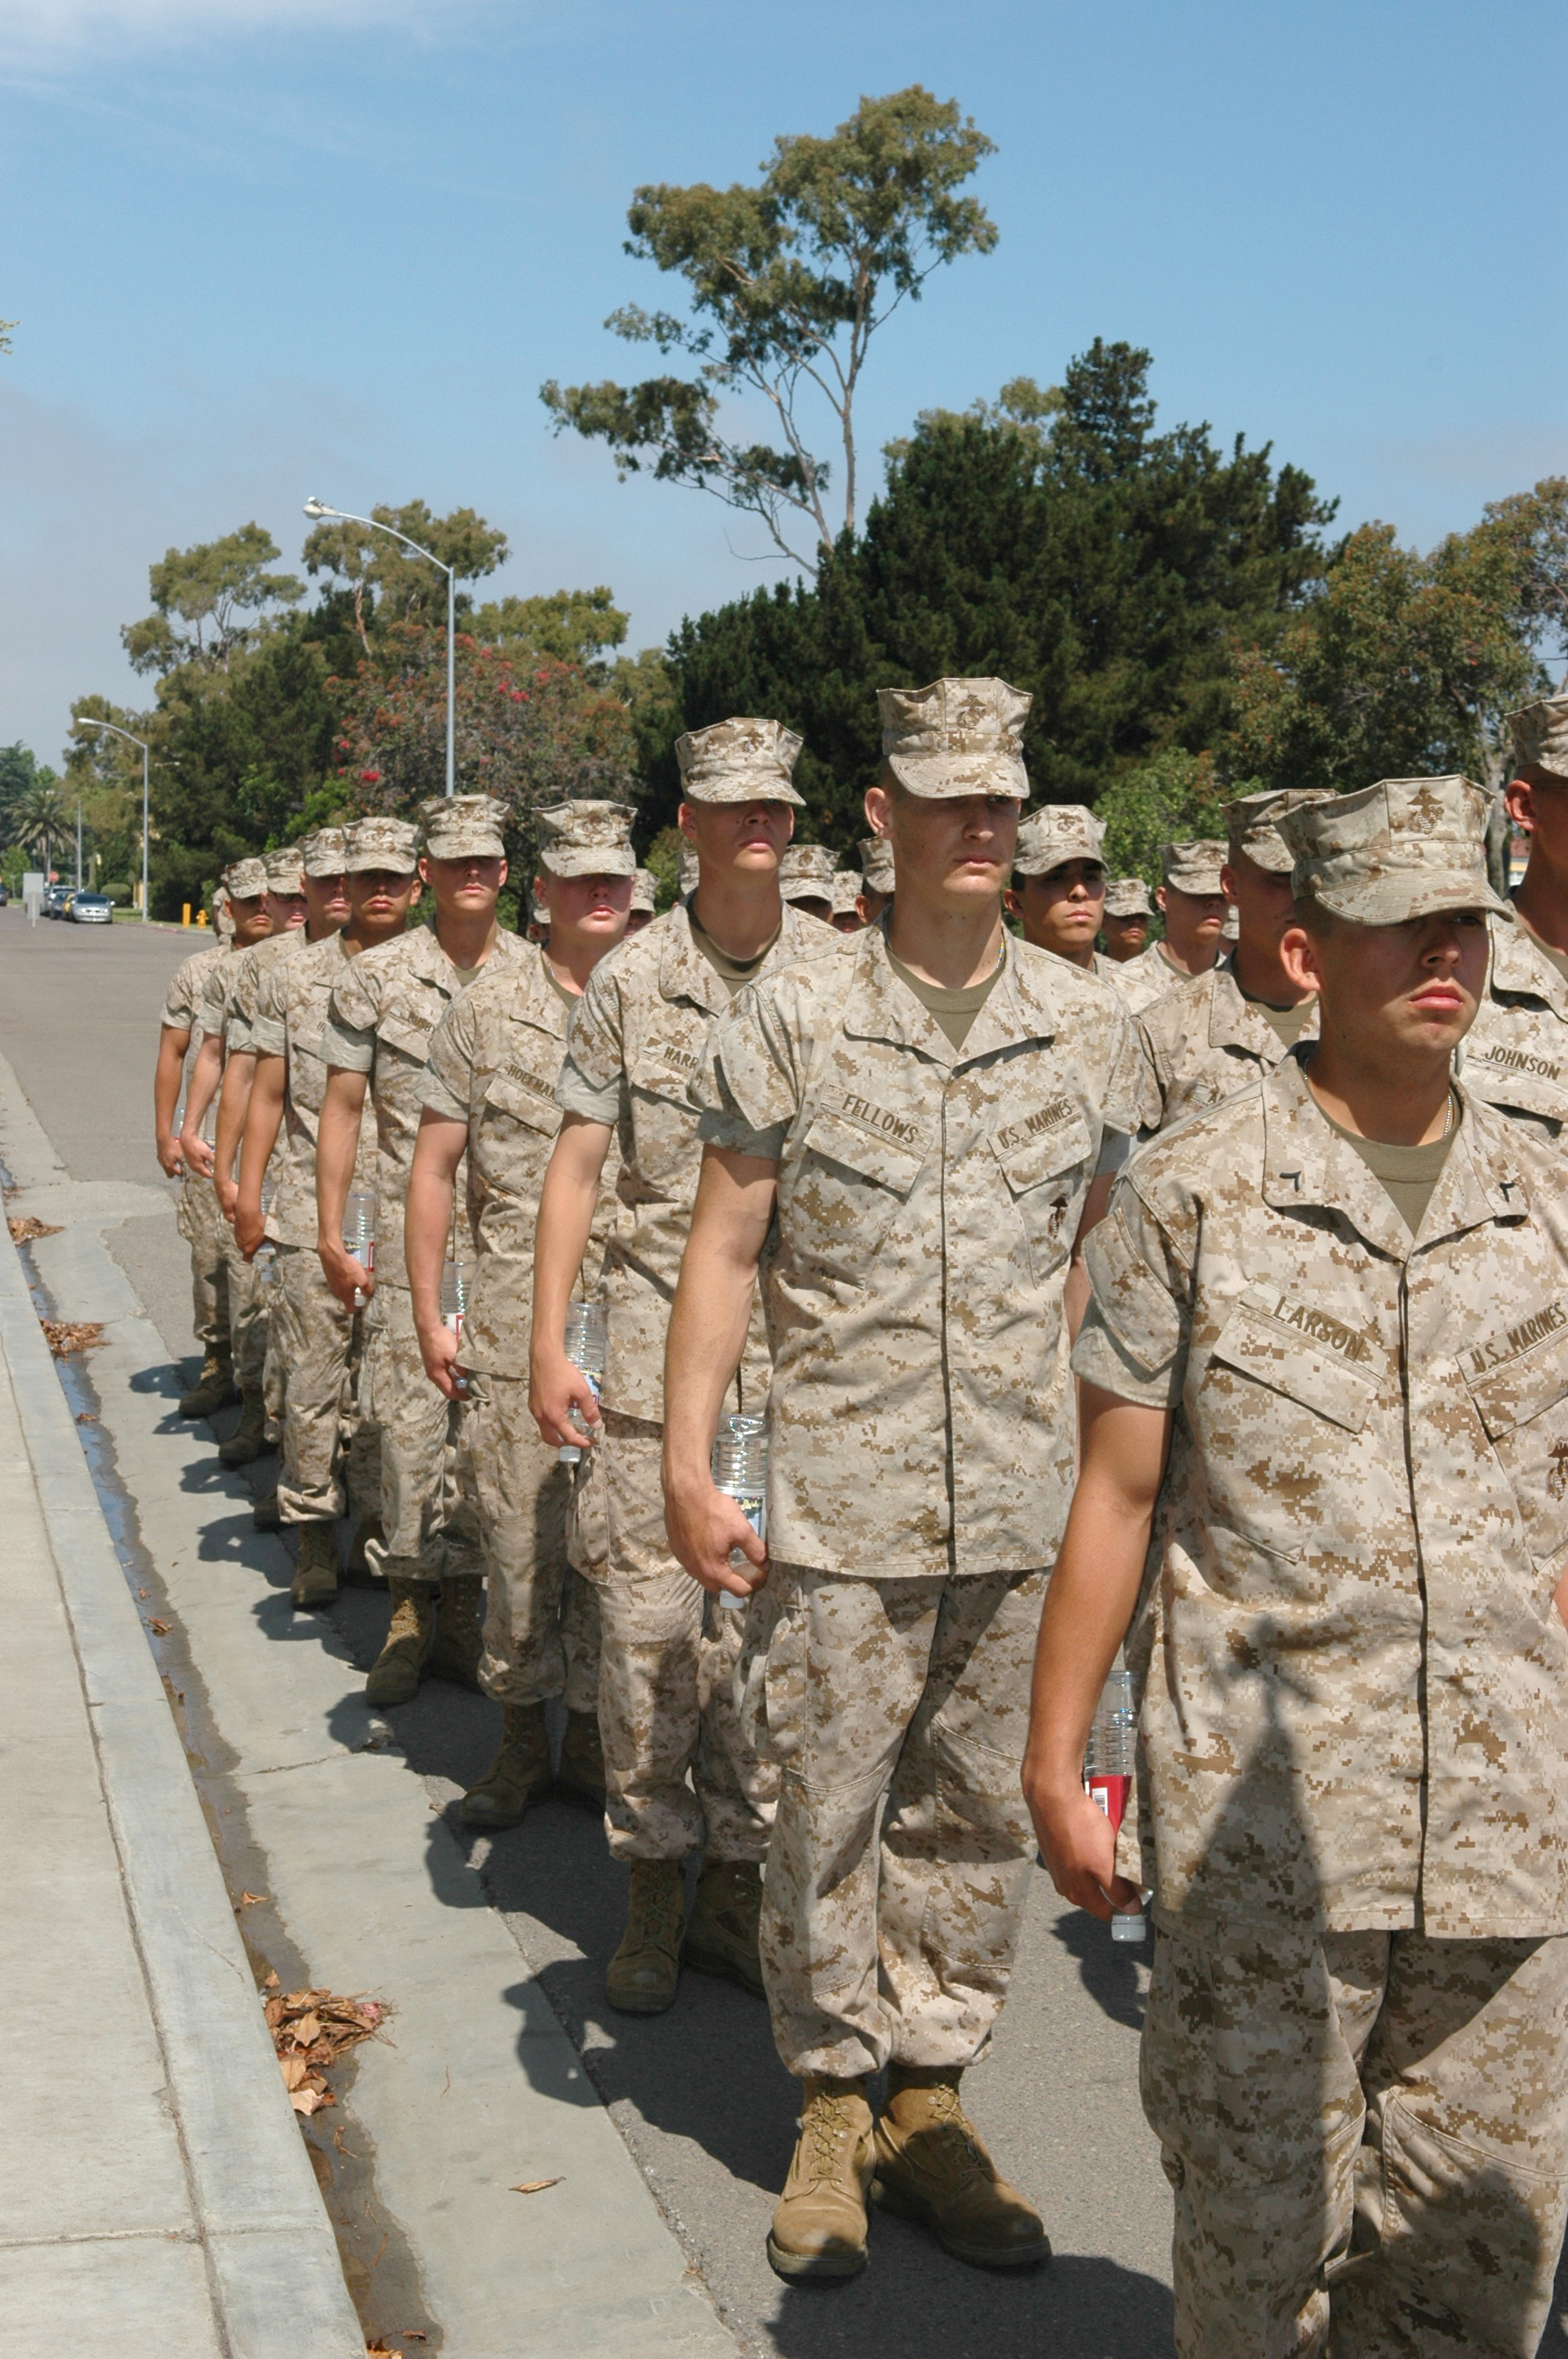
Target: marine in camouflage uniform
x=494 y=1061
x=330 y=1462
x=1353 y=1681
x=1516 y=1053
x=1207 y=1038
x=1056 y=837
x=1189 y=871
x=921 y=1453
x=680 y=1775
x=877 y=871
x=247 y=1316
x=261 y=1391
x=197 y=1215
x=1126 y=900
x=384 y=1012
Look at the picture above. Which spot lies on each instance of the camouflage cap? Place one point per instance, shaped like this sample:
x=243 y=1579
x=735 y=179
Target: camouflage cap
x=739 y=762
x=322 y=854
x=956 y=737
x=1249 y=823
x=463 y=827
x=1230 y=924
x=586 y=839
x=690 y=868
x=245 y=880
x=645 y=889
x=1404 y=848
x=381 y=842
x=222 y=915
x=806 y=872
x=876 y=862
x=1541 y=736
x=848 y=885
x=1054 y=834
x=1192 y=867
x=538 y=912
x=283 y=869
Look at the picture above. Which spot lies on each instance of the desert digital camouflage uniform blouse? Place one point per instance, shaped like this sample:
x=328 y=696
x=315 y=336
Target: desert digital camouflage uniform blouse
x=921 y=1414
x=384 y=1010
x=495 y=1058
x=1354 y=1680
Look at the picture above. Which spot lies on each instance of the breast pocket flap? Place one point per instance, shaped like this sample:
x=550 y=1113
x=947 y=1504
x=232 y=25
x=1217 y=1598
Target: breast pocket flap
x=863 y=1153
x=1063 y=1148
x=404 y=1033
x=1523 y=1387
x=1317 y=1378
x=539 y=1114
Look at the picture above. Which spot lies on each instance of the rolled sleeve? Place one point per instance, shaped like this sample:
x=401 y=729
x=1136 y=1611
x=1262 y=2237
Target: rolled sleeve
x=1135 y=1335
x=575 y=1093
x=351 y=1048
x=269 y=1036
x=744 y=1090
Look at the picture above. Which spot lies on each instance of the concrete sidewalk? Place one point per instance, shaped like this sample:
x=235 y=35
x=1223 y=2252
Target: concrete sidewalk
x=154 y=2193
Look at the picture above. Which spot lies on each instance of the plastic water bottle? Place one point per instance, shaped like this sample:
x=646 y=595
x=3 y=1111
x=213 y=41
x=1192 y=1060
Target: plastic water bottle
x=454 y=1303
x=359 y=1235
x=263 y=1266
x=586 y=1342
x=1108 y=1773
x=739 y=1468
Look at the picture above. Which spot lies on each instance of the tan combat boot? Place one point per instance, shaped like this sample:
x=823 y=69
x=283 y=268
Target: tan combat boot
x=459 y=1630
x=819 y=2221
x=721 y=1937
x=315 y=1579
x=581 y=1777
x=214 y=1388
x=519 y=1774
x=266 y=1514
x=396 y=1671
x=248 y=1441
x=645 y=1972
x=931 y=2166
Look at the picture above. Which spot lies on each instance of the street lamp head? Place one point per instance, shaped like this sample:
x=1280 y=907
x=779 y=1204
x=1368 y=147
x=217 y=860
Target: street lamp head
x=317 y=508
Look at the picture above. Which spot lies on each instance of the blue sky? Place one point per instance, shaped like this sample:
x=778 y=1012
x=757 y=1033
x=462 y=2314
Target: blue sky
x=260 y=248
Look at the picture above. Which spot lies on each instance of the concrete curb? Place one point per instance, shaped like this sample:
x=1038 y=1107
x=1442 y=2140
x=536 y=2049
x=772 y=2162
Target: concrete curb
x=274 y=2275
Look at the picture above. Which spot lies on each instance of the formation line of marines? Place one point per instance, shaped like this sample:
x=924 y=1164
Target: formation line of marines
x=1201 y=1302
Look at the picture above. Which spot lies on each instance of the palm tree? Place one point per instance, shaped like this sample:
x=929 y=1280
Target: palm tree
x=40 y=816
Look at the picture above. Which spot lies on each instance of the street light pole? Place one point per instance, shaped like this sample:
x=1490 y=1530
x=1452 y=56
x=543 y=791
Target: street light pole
x=79 y=846
x=316 y=509
x=83 y=722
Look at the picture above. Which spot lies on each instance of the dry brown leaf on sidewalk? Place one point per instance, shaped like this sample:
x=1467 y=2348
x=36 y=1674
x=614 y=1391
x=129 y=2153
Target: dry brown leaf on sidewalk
x=23 y=1230
x=310 y=2030
x=65 y=1336
x=159 y=1629
x=534 y=2186
x=271 y=1982
x=246 y=1900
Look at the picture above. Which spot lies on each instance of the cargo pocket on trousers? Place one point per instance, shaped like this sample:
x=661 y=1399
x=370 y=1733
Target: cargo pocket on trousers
x=775 y=1692
x=1473 y=2224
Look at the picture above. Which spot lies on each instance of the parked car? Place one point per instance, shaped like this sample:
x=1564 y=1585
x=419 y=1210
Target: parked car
x=5 y=894
x=55 y=899
x=89 y=910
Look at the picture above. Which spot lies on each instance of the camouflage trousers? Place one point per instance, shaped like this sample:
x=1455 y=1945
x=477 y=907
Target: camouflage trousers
x=541 y=1625
x=667 y=1684
x=247 y=1309
x=895 y=1892
x=428 y=1527
x=330 y=1464
x=1367 y=2137
x=198 y=1220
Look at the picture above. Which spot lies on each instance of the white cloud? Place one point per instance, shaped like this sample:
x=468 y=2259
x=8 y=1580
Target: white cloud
x=55 y=30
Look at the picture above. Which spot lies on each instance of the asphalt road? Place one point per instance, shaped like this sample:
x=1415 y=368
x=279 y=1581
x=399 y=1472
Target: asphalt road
x=697 y=2094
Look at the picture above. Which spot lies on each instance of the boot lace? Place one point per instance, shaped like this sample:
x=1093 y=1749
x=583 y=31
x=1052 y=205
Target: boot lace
x=950 y=2133
x=828 y=2126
